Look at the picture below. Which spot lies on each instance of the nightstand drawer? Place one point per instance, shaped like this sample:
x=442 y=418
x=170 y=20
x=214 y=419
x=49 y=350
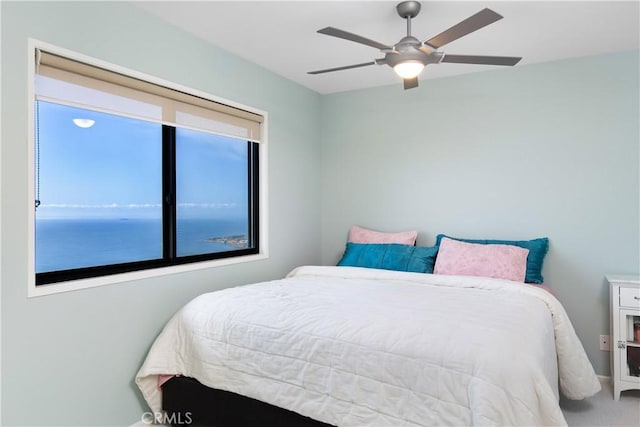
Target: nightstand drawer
x=630 y=297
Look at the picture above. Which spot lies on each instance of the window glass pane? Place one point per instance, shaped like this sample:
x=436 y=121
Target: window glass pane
x=100 y=189
x=212 y=192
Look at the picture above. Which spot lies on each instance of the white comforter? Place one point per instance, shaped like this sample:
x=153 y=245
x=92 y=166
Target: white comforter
x=352 y=346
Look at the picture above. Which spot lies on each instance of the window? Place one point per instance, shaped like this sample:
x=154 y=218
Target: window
x=131 y=175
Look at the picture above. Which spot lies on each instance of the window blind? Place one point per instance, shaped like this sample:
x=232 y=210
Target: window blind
x=69 y=82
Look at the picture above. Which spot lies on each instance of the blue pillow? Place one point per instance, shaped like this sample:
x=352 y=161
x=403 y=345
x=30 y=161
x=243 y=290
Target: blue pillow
x=537 y=250
x=390 y=256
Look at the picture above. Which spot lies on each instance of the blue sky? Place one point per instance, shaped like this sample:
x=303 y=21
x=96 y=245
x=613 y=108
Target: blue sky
x=114 y=168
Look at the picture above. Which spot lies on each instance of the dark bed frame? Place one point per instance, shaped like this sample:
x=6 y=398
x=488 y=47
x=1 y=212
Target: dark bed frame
x=187 y=402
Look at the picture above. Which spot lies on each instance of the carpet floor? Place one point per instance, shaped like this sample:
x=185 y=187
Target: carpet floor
x=602 y=410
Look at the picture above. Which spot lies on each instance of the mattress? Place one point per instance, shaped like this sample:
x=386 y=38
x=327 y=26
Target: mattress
x=352 y=346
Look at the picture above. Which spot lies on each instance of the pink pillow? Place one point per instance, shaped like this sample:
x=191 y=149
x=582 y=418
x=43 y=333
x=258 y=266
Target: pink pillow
x=472 y=259
x=362 y=235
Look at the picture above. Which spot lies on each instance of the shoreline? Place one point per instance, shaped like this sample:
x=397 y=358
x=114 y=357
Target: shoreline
x=237 y=241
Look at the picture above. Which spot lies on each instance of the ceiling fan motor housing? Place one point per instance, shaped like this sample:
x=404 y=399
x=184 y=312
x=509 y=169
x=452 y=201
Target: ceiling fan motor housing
x=409 y=49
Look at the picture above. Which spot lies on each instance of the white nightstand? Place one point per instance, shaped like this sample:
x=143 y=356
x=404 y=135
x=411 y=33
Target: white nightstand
x=625 y=333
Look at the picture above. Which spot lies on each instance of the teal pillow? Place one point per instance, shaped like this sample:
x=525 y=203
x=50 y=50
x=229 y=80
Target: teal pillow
x=390 y=256
x=537 y=250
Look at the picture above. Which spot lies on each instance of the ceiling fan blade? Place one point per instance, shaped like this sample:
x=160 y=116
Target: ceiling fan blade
x=484 y=60
x=330 y=31
x=346 y=67
x=410 y=83
x=469 y=25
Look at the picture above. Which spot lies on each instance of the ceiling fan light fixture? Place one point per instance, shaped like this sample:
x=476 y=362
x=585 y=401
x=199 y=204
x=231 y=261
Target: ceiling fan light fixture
x=408 y=69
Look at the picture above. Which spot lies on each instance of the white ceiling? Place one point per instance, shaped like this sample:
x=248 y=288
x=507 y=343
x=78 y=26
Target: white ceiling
x=281 y=35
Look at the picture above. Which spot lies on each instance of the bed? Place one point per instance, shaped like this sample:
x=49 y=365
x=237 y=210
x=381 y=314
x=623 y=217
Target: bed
x=354 y=346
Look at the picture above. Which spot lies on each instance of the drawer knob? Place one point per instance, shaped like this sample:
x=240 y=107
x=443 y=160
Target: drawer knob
x=636 y=298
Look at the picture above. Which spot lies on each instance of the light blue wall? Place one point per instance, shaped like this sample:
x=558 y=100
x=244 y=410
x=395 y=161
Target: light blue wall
x=550 y=149
x=539 y=150
x=70 y=359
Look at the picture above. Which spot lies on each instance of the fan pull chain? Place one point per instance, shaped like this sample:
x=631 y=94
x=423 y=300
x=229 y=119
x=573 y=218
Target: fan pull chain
x=37 y=203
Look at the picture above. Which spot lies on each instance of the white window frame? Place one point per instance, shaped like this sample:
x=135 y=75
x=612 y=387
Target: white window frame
x=34 y=291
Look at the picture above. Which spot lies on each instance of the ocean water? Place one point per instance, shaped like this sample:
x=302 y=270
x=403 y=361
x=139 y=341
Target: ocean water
x=74 y=243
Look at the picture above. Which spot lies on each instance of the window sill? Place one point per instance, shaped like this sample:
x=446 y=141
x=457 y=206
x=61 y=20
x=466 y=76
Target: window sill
x=55 y=288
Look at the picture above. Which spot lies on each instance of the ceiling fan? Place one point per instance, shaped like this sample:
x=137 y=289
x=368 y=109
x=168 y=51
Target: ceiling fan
x=409 y=56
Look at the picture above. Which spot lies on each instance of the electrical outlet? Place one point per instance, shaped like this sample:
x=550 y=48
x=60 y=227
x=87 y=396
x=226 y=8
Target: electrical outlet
x=604 y=343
